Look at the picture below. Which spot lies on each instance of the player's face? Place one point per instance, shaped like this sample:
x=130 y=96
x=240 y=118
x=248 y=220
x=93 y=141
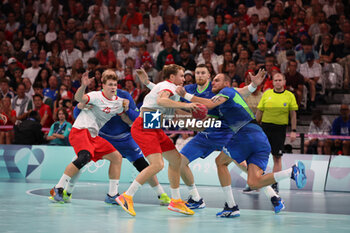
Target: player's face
x=179 y=78
x=218 y=83
x=110 y=88
x=202 y=75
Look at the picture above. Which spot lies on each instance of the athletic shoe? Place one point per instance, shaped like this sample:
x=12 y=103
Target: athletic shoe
x=67 y=197
x=56 y=195
x=192 y=204
x=126 y=202
x=111 y=200
x=275 y=187
x=248 y=190
x=164 y=199
x=298 y=174
x=229 y=212
x=180 y=207
x=278 y=204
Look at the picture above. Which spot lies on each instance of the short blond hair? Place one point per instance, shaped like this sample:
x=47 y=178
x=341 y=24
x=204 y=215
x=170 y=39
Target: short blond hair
x=109 y=75
x=171 y=69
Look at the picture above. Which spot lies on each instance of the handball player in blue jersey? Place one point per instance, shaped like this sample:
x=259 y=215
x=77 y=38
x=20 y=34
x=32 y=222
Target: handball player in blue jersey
x=248 y=143
x=210 y=140
x=116 y=132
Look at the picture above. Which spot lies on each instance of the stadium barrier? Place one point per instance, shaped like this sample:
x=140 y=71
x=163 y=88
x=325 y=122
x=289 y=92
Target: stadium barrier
x=324 y=172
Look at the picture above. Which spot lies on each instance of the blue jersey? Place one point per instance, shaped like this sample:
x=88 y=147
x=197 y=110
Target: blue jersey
x=235 y=111
x=206 y=93
x=116 y=126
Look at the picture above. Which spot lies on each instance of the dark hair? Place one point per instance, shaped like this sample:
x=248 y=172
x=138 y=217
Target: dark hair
x=202 y=66
x=37 y=95
x=317 y=115
x=64 y=112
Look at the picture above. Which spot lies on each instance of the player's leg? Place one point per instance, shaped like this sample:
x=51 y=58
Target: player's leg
x=115 y=159
x=70 y=186
x=230 y=208
x=156 y=164
x=176 y=204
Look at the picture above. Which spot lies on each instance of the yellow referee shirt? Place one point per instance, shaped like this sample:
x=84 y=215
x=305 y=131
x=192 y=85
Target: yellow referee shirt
x=276 y=106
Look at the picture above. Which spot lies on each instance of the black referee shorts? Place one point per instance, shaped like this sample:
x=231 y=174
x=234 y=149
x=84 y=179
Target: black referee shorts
x=277 y=136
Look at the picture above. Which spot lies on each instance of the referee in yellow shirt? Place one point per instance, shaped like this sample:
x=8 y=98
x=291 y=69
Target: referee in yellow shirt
x=273 y=113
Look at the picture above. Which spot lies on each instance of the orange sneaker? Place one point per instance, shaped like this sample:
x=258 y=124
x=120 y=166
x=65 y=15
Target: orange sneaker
x=126 y=202
x=180 y=207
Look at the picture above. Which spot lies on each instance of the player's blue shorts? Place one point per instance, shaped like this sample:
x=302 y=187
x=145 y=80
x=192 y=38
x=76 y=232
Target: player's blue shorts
x=250 y=144
x=203 y=144
x=126 y=146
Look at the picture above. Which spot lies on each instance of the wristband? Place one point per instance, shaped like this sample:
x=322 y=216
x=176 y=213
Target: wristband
x=251 y=88
x=188 y=97
x=149 y=85
x=294 y=130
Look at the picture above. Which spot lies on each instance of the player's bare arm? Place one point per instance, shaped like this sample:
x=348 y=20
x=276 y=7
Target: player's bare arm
x=80 y=94
x=209 y=103
x=143 y=77
x=164 y=101
x=256 y=81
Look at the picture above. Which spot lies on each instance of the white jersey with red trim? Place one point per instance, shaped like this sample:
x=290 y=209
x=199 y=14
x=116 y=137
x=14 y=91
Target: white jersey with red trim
x=150 y=100
x=103 y=109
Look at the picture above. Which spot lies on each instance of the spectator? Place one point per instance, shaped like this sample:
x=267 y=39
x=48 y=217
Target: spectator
x=155 y=19
x=125 y=52
x=168 y=26
x=44 y=110
x=8 y=118
x=182 y=141
x=341 y=126
x=52 y=90
x=130 y=86
x=208 y=19
x=86 y=51
x=166 y=9
x=70 y=54
x=290 y=55
x=186 y=60
x=132 y=17
x=260 y=53
x=326 y=50
x=29 y=131
x=168 y=50
x=59 y=131
x=106 y=56
x=189 y=79
x=312 y=73
x=306 y=49
x=38 y=90
x=29 y=91
x=32 y=72
x=135 y=38
x=294 y=81
x=343 y=58
x=20 y=103
x=274 y=109
x=188 y=23
x=319 y=125
x=259 y=9
x=5 y=89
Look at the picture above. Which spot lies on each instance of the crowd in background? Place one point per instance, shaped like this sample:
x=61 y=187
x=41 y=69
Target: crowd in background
x=46 y=46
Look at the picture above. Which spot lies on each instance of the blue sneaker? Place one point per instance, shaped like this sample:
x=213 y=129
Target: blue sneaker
x=278 y=204
x=229 y=212
x=56 y=195
x=192 y=204
x=298 y=174
x=111 y=200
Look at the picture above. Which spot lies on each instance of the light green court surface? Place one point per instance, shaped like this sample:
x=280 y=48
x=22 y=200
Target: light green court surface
x=24 y=208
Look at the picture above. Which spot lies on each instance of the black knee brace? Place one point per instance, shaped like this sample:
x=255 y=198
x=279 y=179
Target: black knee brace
x=140 y=164
x=84 y=157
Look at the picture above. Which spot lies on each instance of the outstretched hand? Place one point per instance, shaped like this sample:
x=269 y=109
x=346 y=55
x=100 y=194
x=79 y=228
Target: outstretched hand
x=85 y=80
x=142 y=75
x=181 y=91
x=259 y=78
x=126 y=104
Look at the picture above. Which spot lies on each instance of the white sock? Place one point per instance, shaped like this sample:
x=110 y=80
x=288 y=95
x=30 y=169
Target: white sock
x=194 y=192
x=269 y=192
x=282 y=175
x=159 y=189
x=229 y=196
x=63 y=181
x=71 y=184
x=113 y=187
x=175 y=193
x=133 y=188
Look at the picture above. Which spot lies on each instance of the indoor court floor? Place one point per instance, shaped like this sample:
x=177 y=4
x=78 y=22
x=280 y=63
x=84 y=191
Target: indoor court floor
x=24 y=207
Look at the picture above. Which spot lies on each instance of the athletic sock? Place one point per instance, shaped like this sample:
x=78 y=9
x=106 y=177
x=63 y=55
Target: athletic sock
x=113 y=187
x=63 y=181
x=133 y=188
x=269 y=192
x=158 y=189
x=194 y=192
x=282 y=175
x=71 y=184
x=229 y=196
x=175 y=193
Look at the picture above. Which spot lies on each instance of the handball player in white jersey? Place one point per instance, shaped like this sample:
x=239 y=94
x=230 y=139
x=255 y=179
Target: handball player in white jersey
x=155 y=144
x=84 y=134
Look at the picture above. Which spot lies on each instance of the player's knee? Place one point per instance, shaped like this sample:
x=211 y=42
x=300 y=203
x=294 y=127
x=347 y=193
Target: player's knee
x=158 y=165
x=140 y=164
x=252 y=183
x=84 y=157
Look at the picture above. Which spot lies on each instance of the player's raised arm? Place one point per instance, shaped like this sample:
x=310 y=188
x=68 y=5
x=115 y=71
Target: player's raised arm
x=80 y=94
x=256 y=81
x=143 y=76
